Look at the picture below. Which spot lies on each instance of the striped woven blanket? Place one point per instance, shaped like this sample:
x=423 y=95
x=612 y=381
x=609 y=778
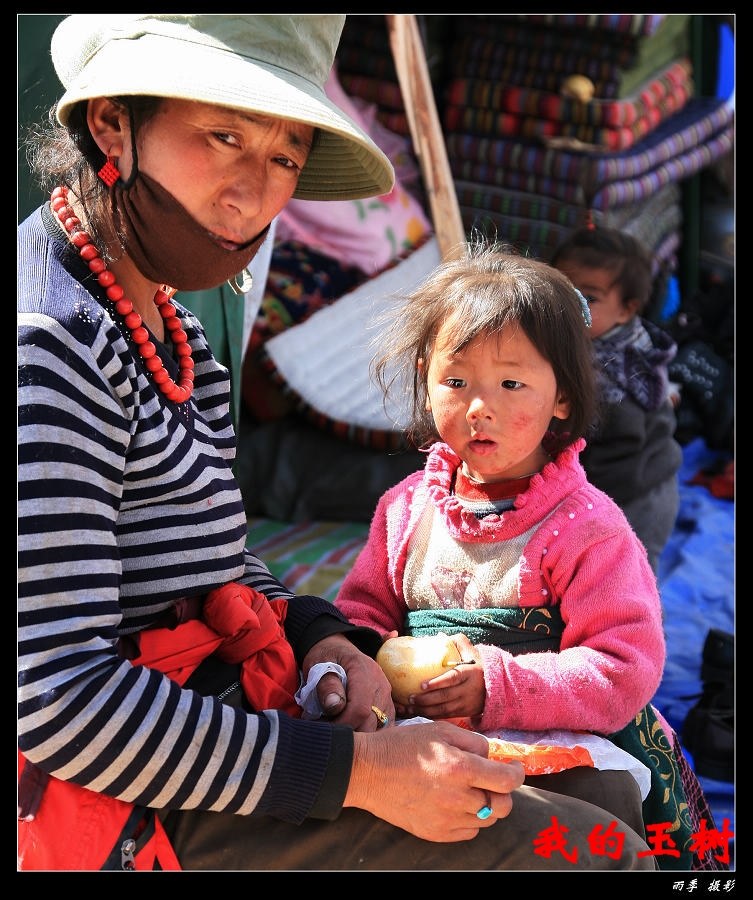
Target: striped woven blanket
x=307 y=557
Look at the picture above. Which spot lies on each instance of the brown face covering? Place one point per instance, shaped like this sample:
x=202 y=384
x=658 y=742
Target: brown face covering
x=167 y=245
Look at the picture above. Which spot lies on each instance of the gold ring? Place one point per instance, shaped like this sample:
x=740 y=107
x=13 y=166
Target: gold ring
x=382 y=717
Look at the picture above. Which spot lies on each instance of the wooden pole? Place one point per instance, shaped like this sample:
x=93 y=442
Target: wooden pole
x=426 y=132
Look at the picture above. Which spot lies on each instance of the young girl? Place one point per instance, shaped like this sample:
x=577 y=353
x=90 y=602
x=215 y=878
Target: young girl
x=501 y=540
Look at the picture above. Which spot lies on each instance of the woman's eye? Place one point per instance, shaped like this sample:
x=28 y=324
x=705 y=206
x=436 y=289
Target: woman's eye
x=287 y=163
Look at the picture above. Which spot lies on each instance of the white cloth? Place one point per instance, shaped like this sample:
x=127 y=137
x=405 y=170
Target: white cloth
x=603 y=752
x=336 y=379
x=306 y=696
x=259 y=269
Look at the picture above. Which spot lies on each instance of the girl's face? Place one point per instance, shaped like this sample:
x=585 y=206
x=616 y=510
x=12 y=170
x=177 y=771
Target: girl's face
x=232 y=171
x=493 y=403
x=604 y=296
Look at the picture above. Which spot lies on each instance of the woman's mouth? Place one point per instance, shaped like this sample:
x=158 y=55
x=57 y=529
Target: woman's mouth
x=236 y=242
x=225 y=243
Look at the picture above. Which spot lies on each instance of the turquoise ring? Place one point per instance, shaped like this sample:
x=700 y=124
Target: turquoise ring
x=484 y=812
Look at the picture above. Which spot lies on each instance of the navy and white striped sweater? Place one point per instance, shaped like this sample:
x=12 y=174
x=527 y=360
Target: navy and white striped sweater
x=126 y=503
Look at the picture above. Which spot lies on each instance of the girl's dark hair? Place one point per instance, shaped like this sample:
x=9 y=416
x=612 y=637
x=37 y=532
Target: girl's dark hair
x=486 y=289
x=596 y=247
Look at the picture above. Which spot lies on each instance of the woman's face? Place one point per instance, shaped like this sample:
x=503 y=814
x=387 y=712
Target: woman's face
x=232 y=171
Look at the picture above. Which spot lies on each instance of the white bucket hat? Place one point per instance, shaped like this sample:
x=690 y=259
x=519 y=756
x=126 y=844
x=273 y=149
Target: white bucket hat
x=270 y=64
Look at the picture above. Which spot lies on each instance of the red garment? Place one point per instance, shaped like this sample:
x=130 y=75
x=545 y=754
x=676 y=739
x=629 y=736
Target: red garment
x=77 y=829
x=720 y=481
x=66 y=827
x=242 y=626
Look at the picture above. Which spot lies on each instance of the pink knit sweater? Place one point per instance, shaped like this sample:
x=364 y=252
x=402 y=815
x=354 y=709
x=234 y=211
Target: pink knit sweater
x=584 y=558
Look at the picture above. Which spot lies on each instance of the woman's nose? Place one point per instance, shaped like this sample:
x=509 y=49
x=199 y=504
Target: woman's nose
x=245 y=193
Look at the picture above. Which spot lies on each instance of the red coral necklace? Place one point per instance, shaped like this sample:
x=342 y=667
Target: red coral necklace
x=177 y=393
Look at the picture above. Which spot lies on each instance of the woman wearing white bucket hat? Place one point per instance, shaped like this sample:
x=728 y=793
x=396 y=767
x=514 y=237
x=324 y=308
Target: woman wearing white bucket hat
x=161 y=720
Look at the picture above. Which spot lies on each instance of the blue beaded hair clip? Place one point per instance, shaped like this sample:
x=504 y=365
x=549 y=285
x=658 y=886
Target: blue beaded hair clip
x=584 y=308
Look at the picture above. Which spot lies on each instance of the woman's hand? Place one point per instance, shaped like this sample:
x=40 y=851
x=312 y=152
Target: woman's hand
x=431 y=780
x=367 y=685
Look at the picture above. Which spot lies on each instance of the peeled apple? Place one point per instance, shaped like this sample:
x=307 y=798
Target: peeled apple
x=407 y=661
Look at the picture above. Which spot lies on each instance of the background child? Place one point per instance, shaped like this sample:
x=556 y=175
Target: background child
x=631 y=454
x=501 y=539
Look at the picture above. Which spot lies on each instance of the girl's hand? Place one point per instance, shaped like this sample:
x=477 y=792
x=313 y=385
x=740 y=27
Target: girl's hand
x=459 y=693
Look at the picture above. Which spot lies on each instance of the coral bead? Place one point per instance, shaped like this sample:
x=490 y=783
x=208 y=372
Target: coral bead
x=177 y=393
x=80 y=239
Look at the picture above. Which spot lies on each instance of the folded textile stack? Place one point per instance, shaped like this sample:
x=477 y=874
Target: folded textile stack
x=618 y=53
x=485 y=107
x=367 y=69
x=533 y=156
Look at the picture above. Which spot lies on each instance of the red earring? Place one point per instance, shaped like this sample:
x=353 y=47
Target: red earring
x=108 y=173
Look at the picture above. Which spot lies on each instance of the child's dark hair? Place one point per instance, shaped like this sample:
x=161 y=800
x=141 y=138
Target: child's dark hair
x=487 y=289
x=596 y=247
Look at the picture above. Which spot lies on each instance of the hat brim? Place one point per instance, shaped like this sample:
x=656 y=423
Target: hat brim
x=344 y=164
